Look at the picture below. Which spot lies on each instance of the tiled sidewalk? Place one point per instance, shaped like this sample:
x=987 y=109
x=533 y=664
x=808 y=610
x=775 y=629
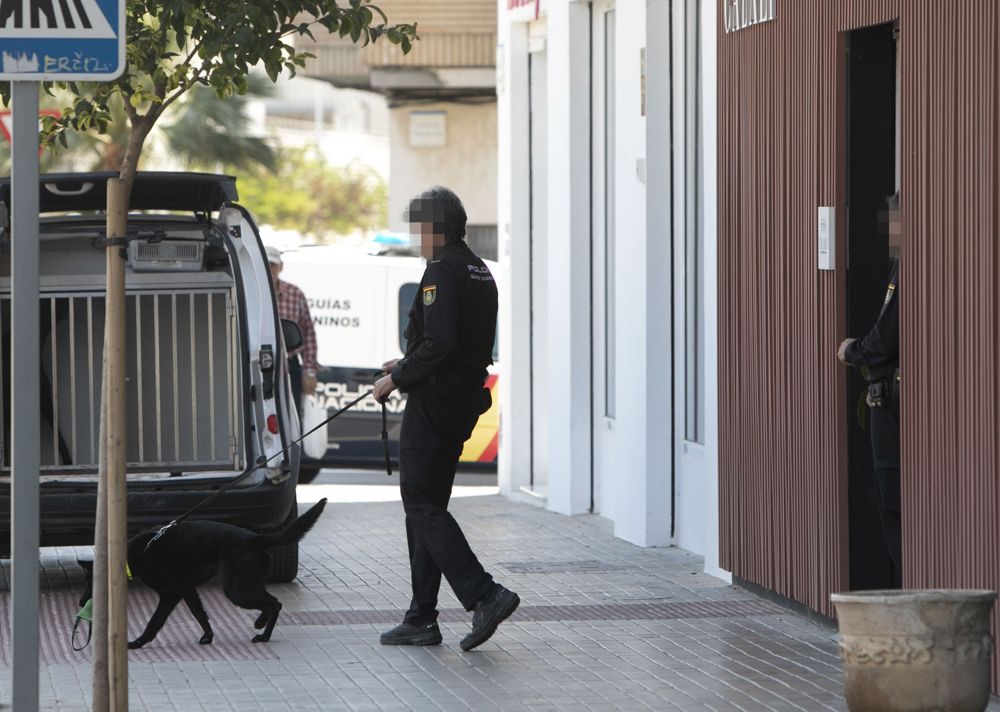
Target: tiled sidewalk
x=603 y=625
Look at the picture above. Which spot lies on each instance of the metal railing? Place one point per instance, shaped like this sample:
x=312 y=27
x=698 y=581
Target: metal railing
x=181 y=389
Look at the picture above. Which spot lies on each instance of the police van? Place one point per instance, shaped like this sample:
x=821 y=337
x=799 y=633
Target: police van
x=207 y=390
x=360 y=303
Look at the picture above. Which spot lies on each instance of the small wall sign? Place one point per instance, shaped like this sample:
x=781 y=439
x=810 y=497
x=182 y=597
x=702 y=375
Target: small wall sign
x=428 y=128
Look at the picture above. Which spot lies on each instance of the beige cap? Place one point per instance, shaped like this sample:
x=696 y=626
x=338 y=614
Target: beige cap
x=273 y=254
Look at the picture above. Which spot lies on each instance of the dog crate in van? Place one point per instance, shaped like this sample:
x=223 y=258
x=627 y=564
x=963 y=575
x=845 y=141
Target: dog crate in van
x=206 y=390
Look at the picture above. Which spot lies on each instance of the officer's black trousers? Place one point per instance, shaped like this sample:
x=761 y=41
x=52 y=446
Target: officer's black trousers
x=885 y=453
x=434 y=428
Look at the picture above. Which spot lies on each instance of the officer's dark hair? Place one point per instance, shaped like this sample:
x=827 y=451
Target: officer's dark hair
x=440 y=206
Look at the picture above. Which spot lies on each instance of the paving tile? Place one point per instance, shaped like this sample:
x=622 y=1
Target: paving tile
x=603 y=625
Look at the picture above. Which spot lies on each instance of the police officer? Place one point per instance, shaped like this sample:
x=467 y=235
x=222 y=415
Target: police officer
x=878 y=351
x=449 y=345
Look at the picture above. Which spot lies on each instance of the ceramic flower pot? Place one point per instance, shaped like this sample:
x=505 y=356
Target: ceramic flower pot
x=916 y=650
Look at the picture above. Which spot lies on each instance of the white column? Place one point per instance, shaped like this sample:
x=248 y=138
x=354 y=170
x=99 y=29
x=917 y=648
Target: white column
x=643 y=303
x=696 y=463
x=709 y=207
x=569 y=386
x=513 y=223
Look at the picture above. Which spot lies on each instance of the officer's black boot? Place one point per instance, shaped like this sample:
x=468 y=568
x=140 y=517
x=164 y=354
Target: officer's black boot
x=492 y=610
x=407 y=634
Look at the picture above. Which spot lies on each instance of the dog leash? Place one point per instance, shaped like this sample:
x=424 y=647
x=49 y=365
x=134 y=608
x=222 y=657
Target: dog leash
x=262 y=461
x=86 y=613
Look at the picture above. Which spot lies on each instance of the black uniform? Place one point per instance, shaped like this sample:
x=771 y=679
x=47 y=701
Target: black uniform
x=450 y=339
x=879 y=352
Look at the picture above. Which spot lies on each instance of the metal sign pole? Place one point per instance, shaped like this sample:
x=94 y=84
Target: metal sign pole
x=89 y=50
x=25 y=406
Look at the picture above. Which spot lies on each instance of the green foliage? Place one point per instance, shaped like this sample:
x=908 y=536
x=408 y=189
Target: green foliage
x=313 y=198
x=201 y=130
x=207 y=131
x=173 y=46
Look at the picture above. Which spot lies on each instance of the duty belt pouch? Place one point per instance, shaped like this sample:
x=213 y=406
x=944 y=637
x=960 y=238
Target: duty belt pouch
x=879 y=393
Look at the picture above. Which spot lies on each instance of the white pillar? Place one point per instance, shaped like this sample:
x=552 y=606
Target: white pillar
x=709 y=194
x=643 y=303
x=569 y=386
x=513 y=212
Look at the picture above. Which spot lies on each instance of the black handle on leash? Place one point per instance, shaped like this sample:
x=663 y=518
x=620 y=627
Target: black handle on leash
x=90 y=631
x=385 y=430
x=385 y=443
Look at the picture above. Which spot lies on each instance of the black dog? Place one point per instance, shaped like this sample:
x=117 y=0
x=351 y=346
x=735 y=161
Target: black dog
x=190 y=553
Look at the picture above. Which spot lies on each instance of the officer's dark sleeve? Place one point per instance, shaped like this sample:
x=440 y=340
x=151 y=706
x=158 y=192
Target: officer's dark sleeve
x=440 y=337
x=881 y=344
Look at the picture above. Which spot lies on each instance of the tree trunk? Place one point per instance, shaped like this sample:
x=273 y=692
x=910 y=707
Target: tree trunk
x=141 y=127
x=115 y=462
x=107 y=696
x=113 y=157
x=99 y=576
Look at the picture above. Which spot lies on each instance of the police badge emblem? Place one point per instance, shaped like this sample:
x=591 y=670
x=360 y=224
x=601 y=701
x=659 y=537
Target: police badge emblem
x=430 y=293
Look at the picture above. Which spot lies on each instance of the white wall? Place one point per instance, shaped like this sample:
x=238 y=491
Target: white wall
x=568 y=269
x=709 y=208
x=649 y=442
x=643 y=475
x=343 y=149
x=345 y=127
x=467 y=163
x=514 y=457
x=696 y=495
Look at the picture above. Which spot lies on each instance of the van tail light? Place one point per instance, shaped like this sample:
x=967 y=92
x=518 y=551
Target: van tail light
x=272 y=424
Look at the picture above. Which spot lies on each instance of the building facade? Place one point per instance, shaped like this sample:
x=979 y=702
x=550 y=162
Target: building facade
x=606 y=221
x=689 y=212
x=836 y=104
x=441 y=99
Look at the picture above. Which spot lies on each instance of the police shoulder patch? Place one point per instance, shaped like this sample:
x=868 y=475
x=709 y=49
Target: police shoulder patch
x=430 y=294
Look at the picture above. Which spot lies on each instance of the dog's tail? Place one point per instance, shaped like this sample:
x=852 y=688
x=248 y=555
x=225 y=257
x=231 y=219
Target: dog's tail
x=294 y=530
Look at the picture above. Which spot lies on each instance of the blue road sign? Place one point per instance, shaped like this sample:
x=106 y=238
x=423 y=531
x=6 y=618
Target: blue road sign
x=62 y=40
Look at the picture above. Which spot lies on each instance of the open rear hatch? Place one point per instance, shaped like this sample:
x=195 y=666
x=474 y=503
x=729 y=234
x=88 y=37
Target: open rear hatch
x=182 y=334
x=152 y=191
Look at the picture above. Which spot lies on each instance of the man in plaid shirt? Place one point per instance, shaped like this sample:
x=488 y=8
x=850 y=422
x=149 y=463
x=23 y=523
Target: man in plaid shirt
x=292 y=305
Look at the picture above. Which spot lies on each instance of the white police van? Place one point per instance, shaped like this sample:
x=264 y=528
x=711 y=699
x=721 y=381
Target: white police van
x=207 y=391
x=360 y=304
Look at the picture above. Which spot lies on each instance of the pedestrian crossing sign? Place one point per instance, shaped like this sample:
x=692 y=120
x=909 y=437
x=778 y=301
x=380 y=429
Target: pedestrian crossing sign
x=62 y=40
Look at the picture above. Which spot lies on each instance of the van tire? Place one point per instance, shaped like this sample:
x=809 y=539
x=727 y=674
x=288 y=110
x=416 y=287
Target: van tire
x=307 y=473
x=284 y=563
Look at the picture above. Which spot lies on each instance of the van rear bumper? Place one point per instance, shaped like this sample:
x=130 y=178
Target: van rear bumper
x=67 y=510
